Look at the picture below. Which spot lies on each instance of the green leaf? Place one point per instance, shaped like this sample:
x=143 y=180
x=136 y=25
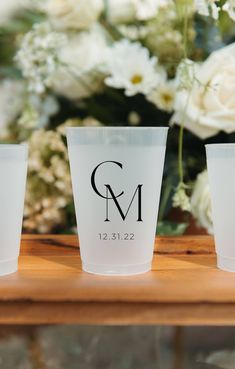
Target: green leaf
x=10 y=72
x=167 y=228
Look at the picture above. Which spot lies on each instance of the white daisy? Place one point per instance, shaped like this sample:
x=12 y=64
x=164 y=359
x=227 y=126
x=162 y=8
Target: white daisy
x=164 y=95
x=130 y=67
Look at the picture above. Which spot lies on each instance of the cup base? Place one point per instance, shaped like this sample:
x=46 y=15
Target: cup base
x=8 y=267
x=116 y=270
x=227 y=264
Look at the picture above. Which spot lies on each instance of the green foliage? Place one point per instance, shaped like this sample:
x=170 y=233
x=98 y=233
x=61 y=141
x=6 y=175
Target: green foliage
x=10 y=34
x=171 y=229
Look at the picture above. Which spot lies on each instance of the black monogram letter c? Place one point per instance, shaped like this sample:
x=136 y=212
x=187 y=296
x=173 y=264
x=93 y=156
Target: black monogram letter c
x=93 y=179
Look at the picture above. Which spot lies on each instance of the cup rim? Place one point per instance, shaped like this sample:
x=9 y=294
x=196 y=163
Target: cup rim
x=118 y=128
x=221 y=145
x=13 y=146
x=117 y=135
x=14 y=151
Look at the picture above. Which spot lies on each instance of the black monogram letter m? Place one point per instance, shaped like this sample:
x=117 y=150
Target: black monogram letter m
x=137 y=192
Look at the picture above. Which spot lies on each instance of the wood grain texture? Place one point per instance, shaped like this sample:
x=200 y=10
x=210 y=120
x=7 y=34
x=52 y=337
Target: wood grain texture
x=184 y=286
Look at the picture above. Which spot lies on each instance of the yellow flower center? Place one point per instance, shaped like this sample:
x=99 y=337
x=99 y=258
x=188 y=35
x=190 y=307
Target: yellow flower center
x=167 y=97
x=136 y=79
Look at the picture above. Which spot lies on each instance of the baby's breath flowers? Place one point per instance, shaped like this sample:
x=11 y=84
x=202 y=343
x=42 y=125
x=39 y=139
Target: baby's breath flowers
x=12 y=99
x=133 y=32
x=37 y=56
x=213 y=7
x=229 y=7
x=186 y=74
x=208 y=7
x=149 y=8
x=38 y=111
x=49 y=189
x=180 y=198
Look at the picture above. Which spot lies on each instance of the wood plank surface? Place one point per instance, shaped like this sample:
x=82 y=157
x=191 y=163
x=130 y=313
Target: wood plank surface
x=184 y=286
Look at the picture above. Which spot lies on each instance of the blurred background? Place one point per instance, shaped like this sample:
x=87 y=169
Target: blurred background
x=117 y=63
x=117 y=347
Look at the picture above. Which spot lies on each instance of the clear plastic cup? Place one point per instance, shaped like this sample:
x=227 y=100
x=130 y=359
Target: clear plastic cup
x=221 y=171
x=13 y=170
x=116 y=176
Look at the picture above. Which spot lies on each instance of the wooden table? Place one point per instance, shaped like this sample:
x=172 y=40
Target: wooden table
x=184 y=287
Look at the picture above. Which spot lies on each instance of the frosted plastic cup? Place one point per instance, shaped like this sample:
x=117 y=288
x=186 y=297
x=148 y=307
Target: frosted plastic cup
x=221 y=169
x=13 y=169
x=116 y=177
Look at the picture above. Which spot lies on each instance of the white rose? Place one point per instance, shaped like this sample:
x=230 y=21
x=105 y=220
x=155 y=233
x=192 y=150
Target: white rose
x=82 y=56
x=125 y=11
x=73 y=14
x=211 y=102
x=121 y=11
x=201 y=202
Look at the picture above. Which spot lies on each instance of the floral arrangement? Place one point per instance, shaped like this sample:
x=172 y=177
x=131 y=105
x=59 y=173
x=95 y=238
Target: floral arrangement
x=117 y=62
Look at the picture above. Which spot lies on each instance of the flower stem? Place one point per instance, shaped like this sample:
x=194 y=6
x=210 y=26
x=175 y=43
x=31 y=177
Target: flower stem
x=181 y=141
x=181 y=132
x=185 y=32
x=180 y=153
